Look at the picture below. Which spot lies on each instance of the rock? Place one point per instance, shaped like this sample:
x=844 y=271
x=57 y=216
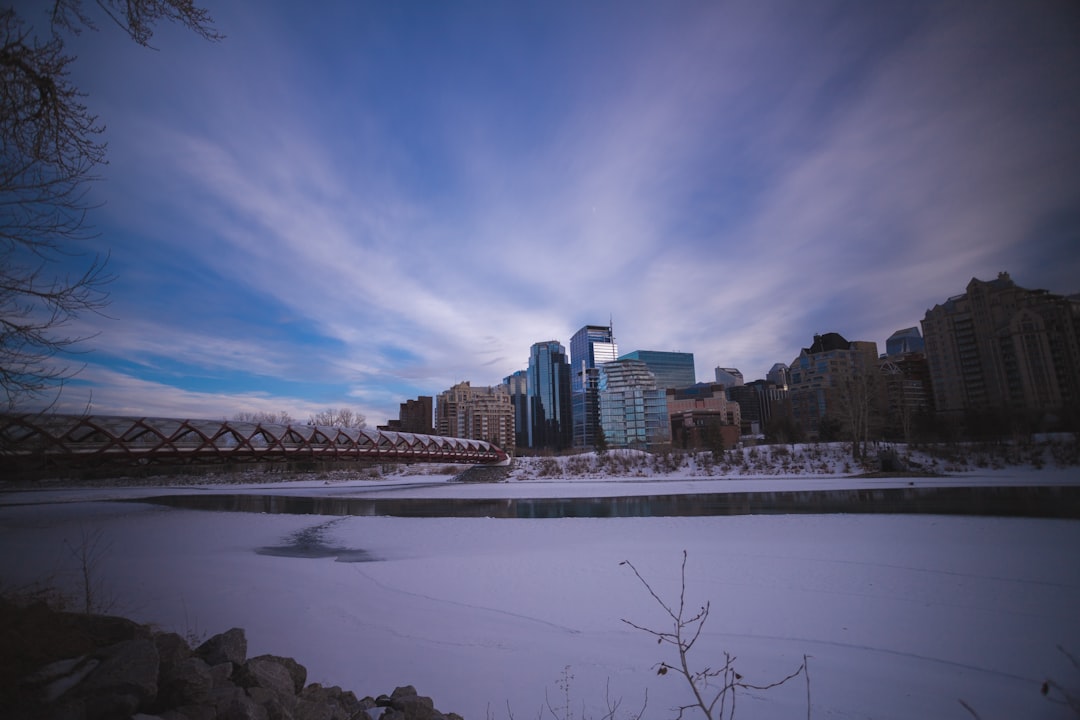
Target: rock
x=172 y=648
x=57 y=678
x=296 y=670
x=312 y=710
x=270 y=685
x=124 y=681
x=316 y=699
x=406 y=704
x=229 y=646
x=110 y=705
x=187 y=682
x=233 y=703
x=276 y=707
x=269 y=673
x=191 y=712
x=99 y=668
x=222 y=674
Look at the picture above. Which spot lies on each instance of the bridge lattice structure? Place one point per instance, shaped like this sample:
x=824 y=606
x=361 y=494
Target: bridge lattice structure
x=44 y=442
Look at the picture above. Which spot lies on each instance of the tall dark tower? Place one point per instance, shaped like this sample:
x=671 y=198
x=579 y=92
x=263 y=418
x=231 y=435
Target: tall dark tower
x=550 y=413
x=590 y=347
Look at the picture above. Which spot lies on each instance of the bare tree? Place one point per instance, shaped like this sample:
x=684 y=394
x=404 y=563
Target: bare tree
x=342 y=417
x=857 y=394
x=713 y=689
x=281 y=417
x=50 y=147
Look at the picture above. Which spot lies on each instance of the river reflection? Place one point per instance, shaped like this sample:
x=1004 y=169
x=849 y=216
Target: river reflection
x=1024 y=501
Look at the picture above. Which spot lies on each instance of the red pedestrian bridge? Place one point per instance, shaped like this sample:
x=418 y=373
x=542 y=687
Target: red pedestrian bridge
x=74 y=442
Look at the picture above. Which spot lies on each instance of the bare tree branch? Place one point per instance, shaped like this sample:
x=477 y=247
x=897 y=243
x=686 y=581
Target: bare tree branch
x=715 y=700
x=50 y=149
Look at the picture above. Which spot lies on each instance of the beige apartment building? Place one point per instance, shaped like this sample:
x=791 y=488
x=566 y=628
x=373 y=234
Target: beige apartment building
x=1001 y=346
x=477 y=413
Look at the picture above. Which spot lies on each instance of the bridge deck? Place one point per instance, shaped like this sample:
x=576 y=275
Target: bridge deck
x=71 y=441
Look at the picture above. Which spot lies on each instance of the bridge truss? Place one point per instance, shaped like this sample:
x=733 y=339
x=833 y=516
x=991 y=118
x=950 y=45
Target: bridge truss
x=72 y=442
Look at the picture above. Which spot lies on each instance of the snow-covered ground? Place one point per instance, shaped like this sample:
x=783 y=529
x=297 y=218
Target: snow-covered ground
x=901 y=616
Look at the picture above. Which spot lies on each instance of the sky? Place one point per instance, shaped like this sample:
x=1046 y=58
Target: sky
x=356 y=204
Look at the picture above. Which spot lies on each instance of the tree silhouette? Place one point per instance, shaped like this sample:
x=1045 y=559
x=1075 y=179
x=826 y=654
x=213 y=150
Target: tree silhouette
x=51 y=148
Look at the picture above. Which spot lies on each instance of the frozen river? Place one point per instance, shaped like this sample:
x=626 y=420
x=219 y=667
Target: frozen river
x=901 y=615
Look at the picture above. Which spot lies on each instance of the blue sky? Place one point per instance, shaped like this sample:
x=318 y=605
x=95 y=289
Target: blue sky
x=351 y=204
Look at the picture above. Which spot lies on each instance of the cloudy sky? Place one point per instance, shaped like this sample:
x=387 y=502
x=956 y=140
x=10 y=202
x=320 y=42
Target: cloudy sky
x=354 y=203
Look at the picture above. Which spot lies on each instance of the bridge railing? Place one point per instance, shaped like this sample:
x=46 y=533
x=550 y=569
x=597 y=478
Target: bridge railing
x=74 y=441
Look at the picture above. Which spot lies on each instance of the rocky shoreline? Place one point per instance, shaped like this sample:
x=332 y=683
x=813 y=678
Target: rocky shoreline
x=71 y=666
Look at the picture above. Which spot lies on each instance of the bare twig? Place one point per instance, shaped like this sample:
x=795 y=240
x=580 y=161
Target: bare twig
x=970 y=710
x=714 y=702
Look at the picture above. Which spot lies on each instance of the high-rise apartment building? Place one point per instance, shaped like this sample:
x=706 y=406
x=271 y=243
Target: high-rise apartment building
x=590 y=347
x=416 y=415
x=1001 y=346
x=633 y=411
x=478 y=413
x=550 y=412
x=671 y=369
x=828 y=377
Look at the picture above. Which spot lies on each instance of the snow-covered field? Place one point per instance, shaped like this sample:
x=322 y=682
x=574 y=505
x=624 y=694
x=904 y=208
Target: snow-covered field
x=901 y=616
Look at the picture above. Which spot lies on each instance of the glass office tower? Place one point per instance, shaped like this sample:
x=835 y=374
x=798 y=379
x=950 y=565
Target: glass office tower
x=517 y=387
x=590 y=347
x=633 y=411
x=672 y=369
x=550 y=413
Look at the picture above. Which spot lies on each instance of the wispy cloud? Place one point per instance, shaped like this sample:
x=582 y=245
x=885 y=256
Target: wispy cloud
x=407 y=211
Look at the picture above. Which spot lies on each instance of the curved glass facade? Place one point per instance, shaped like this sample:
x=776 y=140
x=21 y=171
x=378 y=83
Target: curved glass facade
x=633 y=411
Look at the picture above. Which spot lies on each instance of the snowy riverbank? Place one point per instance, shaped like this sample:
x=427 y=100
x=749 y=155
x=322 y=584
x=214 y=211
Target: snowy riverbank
x=902 y=616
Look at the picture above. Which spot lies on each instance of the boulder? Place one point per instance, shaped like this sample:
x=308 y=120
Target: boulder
x=277 y=708
x=297 y=671
x=405 y=704
x=267 y=672
x=187 y=682
x=229 y=646
x=232 y=703
x=315 y=700
x=172 y=648
x=221 y=674
x=124 y=681
x=70 y=667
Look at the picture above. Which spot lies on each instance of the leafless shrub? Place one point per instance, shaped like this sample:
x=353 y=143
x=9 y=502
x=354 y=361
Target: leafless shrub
x=88 y=553
x=1056 y=693
x=714 y=690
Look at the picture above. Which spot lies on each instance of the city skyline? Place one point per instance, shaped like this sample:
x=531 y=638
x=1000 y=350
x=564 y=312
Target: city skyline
x=356 y=206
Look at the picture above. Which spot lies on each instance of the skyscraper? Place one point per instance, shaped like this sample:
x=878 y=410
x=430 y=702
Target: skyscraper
x=729 y=377
x=590 y=347
x=633 y=411
x=671 y=369
x=780 y=375
x=517 y=387
x=1001 y=346
x=550 y=413
x=908 y=340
